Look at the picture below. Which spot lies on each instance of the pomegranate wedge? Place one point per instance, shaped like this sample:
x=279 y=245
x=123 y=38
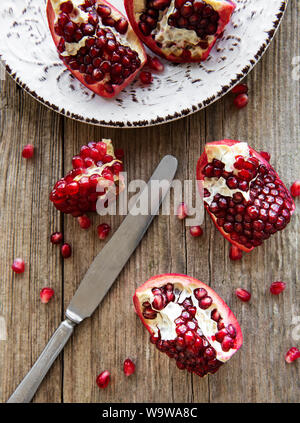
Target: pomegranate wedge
x=94 y=178
x=96 y=43
x=179 y=30
x=242 y=193
x=189 y=322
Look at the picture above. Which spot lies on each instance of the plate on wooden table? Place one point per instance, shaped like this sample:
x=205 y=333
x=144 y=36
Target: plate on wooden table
x=30 y=57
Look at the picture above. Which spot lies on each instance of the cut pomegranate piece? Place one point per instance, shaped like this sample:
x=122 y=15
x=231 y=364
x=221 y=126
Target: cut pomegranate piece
x=46 y=294
x=243 y=295
x=18 y=265
x=128 y=367
x=95 y=177
x=103 y=379
x=188 y=321
x=96 y=43
x=292 y=355
x=180 y=31
x=277 y=288
x=243 y=194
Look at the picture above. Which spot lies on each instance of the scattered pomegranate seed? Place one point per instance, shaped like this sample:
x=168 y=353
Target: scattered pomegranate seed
x=182 y=211
x=103 y=379
x=103 y=230
x=28 y=151
x=243 y=295
x=155 y=64
x=235 y=253
x=119 y=153
x=46 y=294
x=241 y=101
x=18 y=265
x=84 y=221
x=295 y=189
x=66 y=250
x=56 y=238
x=265 y=155
x=277 y=287
x=146 y=77
x=292 y=355
x=240 y=89
x=196 y=231
x=128 y=367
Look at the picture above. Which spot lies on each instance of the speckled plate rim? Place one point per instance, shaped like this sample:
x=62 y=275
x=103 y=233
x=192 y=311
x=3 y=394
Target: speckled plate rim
x=178 y=115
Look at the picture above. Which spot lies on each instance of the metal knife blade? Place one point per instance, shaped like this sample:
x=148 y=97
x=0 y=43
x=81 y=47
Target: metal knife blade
x=110 y=261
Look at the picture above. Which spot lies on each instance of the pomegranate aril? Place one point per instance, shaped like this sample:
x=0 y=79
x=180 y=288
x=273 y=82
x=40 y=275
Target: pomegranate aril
x=28 y=151
x=295 y=189
x=146 y=77
x=241 y=101
x=103 y=231
x=66 y=7
x=103 y=379
x=128 y=367
x=18 y=265
x=46 y=294
x=205 y=303
x=240 y=89
x=56 y=238
x=277 y=287
x=182 y=211
x=243 y=295
x=227 y=343
x=155 y=64
x=292 y=355
x=265 y=155
x=196 y=231
x=66 y=250
x=84 y=221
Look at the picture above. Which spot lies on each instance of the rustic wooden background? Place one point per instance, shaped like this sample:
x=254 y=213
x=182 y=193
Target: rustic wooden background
x=258 y=372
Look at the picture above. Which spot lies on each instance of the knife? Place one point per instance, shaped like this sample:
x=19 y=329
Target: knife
x=101 y=275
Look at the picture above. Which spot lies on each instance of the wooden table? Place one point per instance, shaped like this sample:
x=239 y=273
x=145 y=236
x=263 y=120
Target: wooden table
x=27 y=218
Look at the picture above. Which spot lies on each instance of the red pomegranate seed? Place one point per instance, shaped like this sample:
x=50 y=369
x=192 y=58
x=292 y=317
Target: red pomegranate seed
x=119 y=153
x=155 y=64
x=46 y=294
x=66 y=250
x=277 y=287
x=265 y=155
x=196 y=231
x=241 y=101
x=295 y=189
x=84 y=221
x=235 y=253
x=240 y=89
x=103 y=379
x=146 y=77
x=292 y=355
x=243 y=295
x=67 y=7
x=56 y=238
x=18 y=265
x=128 y=367
x=28 y=151
x=103 y=231
x=182 y=211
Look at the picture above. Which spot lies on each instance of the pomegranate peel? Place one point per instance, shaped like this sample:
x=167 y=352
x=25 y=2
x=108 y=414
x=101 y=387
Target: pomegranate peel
x=243 y=194
x=96 y=43
x=184 y=318
x=179 y=30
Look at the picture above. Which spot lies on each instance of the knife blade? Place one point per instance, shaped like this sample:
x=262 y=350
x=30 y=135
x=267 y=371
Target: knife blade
x=101 y=275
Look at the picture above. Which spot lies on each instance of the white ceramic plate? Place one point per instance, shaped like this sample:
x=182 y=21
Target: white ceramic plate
x=30 y=57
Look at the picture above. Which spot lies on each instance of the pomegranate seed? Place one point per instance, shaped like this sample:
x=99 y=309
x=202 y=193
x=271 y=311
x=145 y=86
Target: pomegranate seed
x=241 y=101
x=67 y=7
x=18 y=265
x=146 y=77
x=119 y=153
x=277 y=287
x=103 y=379
x=46 y=294
x=84 y=221
x=28 y=151
x=66 y=250
x=295 y=189
x=243 y=295
x=235 y=253
x=56 y=238
x=292 y=355
x=103 y=231
x=155 y=64
x=182 y=211
x=128 y=367
x=265 y=155
x=240 y=89
x=196 y=231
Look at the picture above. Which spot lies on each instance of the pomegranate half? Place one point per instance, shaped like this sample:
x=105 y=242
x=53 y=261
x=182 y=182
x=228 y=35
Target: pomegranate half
x=242 y=193
x=179 y=30
x=188 y=321
x=96 y=43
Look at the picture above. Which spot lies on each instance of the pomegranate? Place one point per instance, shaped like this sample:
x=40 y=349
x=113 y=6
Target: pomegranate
x=96 y=43
x=188 y=321
x=243 y=194
x=46 y=294
x=179 y=30
x=95 y=177
x=128 y=367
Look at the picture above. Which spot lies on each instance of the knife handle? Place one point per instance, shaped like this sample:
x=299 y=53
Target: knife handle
x=29 y=385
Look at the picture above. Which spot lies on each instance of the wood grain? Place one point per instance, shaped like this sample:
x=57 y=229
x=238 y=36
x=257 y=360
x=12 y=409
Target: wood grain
x=257 y=373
